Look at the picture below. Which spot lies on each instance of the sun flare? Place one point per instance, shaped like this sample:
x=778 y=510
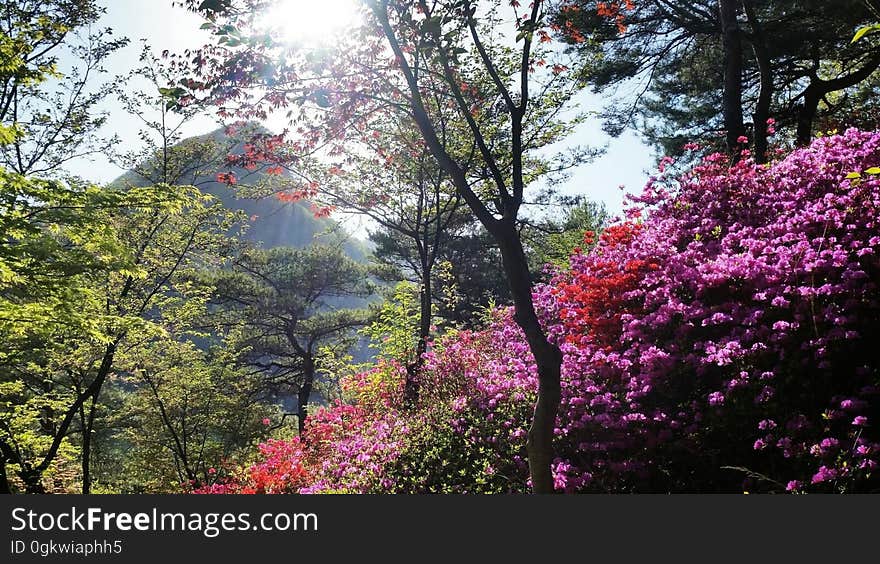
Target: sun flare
x=311 y=21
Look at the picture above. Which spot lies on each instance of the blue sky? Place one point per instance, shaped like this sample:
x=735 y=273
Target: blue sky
x=164 y=27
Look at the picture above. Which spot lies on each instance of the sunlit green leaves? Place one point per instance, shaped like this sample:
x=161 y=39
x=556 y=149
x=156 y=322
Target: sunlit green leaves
x=82 y=270
x=865 y=30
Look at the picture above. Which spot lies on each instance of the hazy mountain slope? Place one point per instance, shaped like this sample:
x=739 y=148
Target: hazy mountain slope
x=270 y=222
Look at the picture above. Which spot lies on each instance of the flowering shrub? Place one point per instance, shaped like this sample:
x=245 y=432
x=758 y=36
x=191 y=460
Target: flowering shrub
x=721 y=338
x=731 y=328
x=468 y=431
x=280 y=470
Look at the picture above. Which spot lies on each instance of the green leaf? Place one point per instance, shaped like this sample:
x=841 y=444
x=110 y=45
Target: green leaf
x=854 y=175
x=863 y=31
x=215 y=5
x=431 y=26
x=9 y=134
x=873 y=170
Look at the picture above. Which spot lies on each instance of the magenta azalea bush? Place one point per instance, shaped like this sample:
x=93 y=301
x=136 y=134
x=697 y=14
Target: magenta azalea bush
x=722 y=339
x=744 y=348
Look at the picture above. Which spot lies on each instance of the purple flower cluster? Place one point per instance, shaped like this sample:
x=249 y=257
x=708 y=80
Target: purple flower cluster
x=750 y=346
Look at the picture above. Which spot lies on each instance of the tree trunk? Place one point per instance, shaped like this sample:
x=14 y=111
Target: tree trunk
x=85 y=446
x=733 y=63
x=304 y=394
x=4 y=479
x=765 y=95
x=819 y=88
x=761 y=115
x=88 y=425
x=33 y=481
x=548 y=358
x=93 y=391
x=807 y=115
x=411 y=386
x=86 y=455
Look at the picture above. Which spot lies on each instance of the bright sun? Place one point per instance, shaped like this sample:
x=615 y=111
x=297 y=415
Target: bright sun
x=311 y=21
